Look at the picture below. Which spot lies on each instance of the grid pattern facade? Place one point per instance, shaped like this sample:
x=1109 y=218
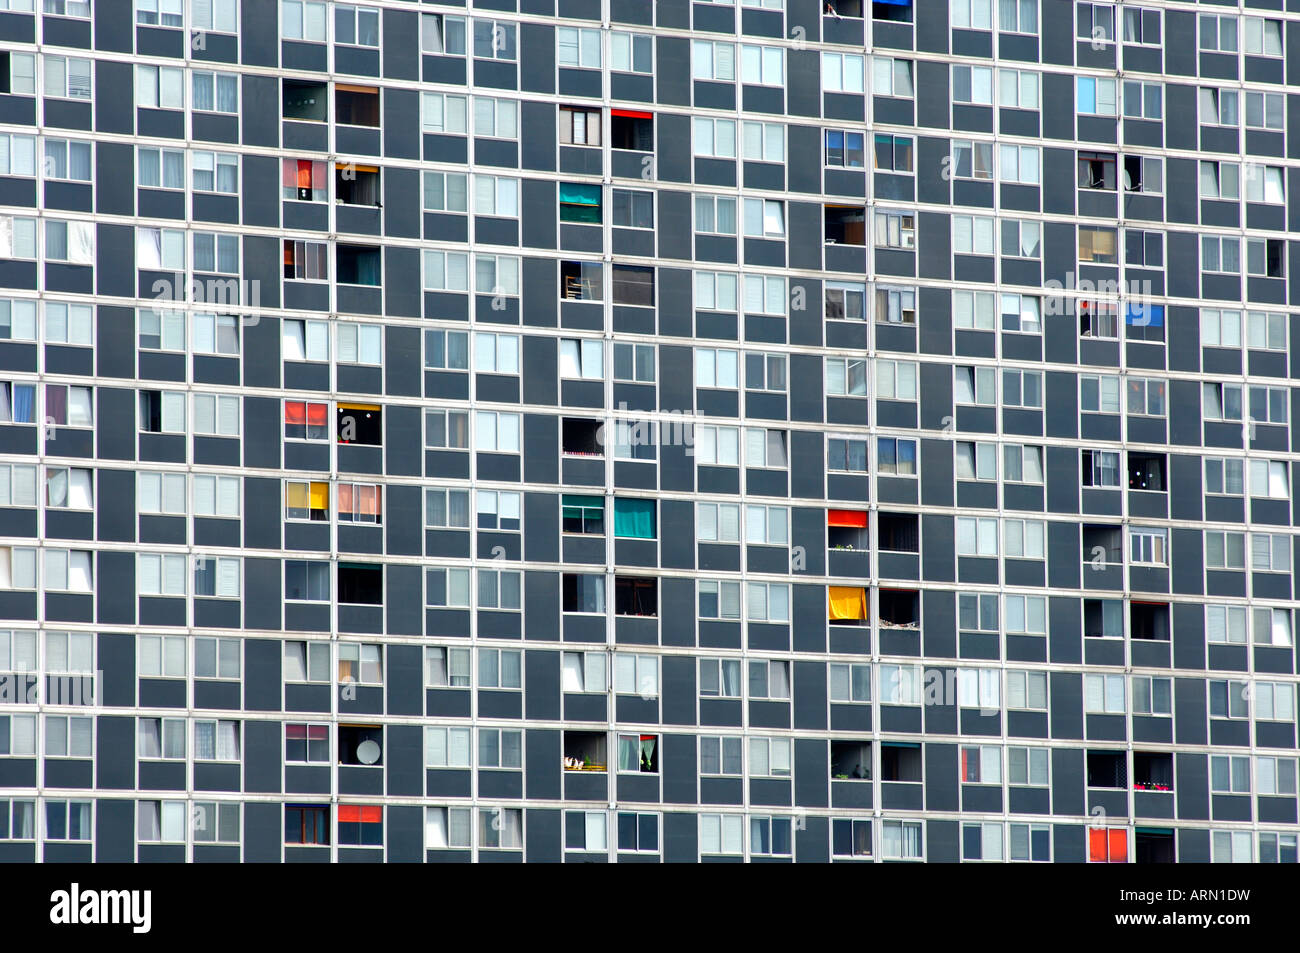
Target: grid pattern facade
x=611 y=430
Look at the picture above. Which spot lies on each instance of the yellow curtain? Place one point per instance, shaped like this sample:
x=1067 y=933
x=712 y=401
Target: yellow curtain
x=320 y=496
x=295 y=496
x=848 y=602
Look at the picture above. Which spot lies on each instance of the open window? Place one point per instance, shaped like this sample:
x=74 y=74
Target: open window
x=359 y=265
x=900 y=761
x=1107 y=769
x=847 y=605
x=636 y=596
x=303 y=100
x=1103 y=543
x=1103 y=619
x=851 y=760
x=844 y=8
x=360 y=424
x=895 y=11
x=1153 y=771
x=1097 y=171
x=356 y=184
x=846 y=225
x=899 y=532
x=1153 y=846
x=582 y=592
x=1149 y=620
x=585 y=751
x=632 y=129
x=900 y=608
x=582 y=281
x=361 y=745
x=1146 y=471
x=304 y=180
x=581 y=436
x=580 y=204
x=361 y=584
x=356 y=105
x=847 y=529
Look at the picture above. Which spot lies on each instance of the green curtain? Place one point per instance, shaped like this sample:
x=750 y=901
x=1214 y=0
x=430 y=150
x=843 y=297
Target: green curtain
x=634 y=518
x=571 y=193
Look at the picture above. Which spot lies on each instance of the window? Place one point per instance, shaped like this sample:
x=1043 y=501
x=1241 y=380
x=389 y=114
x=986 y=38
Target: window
x=973 y=14
x=217 y=576
x=974 y=85
x=762 y=65
x=714 y=61
x=498 y=510
x=846 y=150
x=443 y=113
x=215 y=92
x=582 y=672
x=155 y=12
x=215 y=172
x=216 y=334
x=723 y=833
x=889 y=76
x=1265 y=183
x=446 y=588
x=68 y=77
x=216 y=414
x=442 y=34
x=18 y=154
x=765 y=448
x=1221 y=401
x=720 y=756
x=449 y=747
x=977 y=536
x=1265 y=111
x=1264 y=331
x=18 y=487
x=1274 y=701
x=893 y=153
x=496 y=432
x=1143 y=101
x=1268 y=479
x=633 y=209
x=846 y=377
x=64 y=158
x=901 y=840
x=638 y=832
x=769 y=757
x=306 y=661
x=498 y=195
x=719 y=600
x=1271 y=626
x=846 y=73
x=765 y=372
x=717 y=522
x=1225 y=550
x=1230 y=774
x=72 y=242
x=972 y=235
x=1026 y=691
x=632 y=362
x=1266 y=257
x=893 y=305
x=500 y=668
x=161 y=575
x=764 y=218
x=631 y=52
x=306 y=580
x=896 y=380
x=18 y=734
x=1229 y=699
x=301 y=20
x=305 y=824
x=1018 y=89
x=1095 y=97
x=498 y=589
x=767 y=602
x=17 y=237
x=1145 y=396
x=972 y=160
x=68 y=406
x=638 y=753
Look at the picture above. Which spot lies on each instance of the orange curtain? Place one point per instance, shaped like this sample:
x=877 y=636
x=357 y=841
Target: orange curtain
x=846 y=518
x=295 y=412
x=345 y=498
x=317 y=414
x=848 y=602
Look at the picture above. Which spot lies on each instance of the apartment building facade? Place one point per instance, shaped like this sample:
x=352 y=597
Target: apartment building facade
x=613 y=430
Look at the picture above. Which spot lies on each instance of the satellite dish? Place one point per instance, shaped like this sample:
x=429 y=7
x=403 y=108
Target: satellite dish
x=368 y=752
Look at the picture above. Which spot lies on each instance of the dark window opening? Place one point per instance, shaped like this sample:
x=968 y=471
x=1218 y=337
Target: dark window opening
x=356 y=106
x=584 y=751
x=1146 y=471
x=304 y=101
x=899 y=532
x=358 y=265
x=900 y=762
x=361 y=585
x=634 y=285
x=1103 y=541
x=1107 y=769
x=361 y=744
x=842 y=535
x=582 y=592
x=1149 y=620
x=357 y=185
x=583 y=437
x=900 y=608
x=851 y=760
x=845 y=8
x=1153 y=847
x=1153 y=771
x=360 y=424
x=583 y=514
x=582 y=281
x=897 y=11
x=846 y=225
x=636 y=595
x=632 y=131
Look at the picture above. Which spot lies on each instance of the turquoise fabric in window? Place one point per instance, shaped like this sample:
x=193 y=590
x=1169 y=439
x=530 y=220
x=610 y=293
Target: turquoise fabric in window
x=634 y=518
